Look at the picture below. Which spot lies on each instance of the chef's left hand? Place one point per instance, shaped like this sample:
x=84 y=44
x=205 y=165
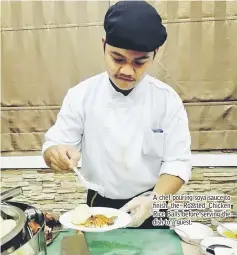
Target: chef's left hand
x=140 y=208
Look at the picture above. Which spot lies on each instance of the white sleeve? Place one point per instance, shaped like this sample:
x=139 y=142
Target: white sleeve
x=177 y=144
x=68 y=128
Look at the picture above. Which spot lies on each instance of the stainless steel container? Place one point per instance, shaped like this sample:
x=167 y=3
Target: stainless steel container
x=21 y=240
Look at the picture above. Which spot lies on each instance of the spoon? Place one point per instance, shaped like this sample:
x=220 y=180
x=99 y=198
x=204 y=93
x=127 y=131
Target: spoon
x=85 y=183
x=218 y=248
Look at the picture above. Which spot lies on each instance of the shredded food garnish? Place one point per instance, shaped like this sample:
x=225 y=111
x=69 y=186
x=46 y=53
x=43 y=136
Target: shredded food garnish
x=98 y=221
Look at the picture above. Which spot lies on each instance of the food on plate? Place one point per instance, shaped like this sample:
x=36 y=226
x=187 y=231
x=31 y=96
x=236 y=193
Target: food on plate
x=80 y=214
x=230 y=234
x=98 y=221
x=6 y=226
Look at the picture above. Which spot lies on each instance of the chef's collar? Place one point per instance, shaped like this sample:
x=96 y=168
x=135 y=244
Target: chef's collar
x=134 y=94
x=124 y=92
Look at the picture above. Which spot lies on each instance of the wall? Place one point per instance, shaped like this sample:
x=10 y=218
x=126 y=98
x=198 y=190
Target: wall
x=60 y=192
x=50 y=46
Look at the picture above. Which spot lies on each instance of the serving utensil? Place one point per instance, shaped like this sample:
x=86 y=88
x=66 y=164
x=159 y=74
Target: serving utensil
x=86 y=183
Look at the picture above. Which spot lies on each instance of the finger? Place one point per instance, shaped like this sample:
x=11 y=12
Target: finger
x=63 y=159
x=56 y=168
x=134 y=220
x=56 y=156
x=131 y=205
x=74 y=156
x=138 y=217
x=124 y=209
x=58 y=163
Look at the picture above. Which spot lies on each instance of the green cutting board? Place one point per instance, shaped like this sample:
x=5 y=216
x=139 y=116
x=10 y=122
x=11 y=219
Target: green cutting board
x=134 y=242
x=126 y=242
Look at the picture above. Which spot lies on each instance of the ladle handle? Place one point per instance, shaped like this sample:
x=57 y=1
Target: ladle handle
x=11 y=193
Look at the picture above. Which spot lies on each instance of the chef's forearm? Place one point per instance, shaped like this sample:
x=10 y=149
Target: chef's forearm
x=168 y=184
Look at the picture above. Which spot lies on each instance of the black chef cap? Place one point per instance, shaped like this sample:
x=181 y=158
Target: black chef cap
x=134 y=25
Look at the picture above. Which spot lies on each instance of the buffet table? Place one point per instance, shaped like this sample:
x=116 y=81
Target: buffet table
x=130 y=242
x=190 y=249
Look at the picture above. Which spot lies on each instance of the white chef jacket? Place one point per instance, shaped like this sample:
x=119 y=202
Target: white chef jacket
x=120 y=137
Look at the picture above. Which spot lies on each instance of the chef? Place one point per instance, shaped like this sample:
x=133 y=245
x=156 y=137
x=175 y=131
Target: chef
x=130 y=129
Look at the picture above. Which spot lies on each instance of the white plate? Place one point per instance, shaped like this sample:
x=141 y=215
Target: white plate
x=193 y=233
x=231 y=226
x=216 y=240
x=122 y=221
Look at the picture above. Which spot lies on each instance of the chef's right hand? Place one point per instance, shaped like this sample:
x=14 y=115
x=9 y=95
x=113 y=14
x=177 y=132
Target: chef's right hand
x=62 y=157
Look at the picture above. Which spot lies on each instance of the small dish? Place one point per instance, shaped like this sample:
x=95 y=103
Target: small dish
x=225 y=233
x=193 y=233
